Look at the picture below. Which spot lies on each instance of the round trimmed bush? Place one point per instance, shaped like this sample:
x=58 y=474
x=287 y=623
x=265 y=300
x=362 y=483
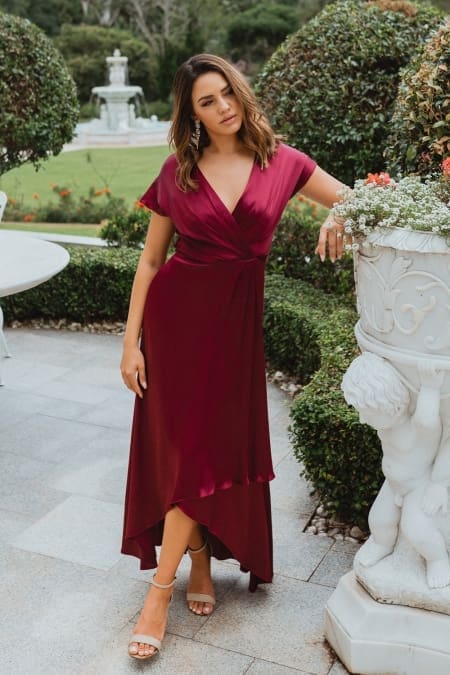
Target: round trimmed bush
x=39 y=108
x=331 y=86
x=420 y=137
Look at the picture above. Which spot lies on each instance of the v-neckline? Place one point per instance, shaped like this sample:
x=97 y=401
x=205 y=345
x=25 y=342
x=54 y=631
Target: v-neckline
x=216 y=194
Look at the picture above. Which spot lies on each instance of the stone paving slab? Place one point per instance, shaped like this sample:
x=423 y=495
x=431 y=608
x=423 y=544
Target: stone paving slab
x=64 y=438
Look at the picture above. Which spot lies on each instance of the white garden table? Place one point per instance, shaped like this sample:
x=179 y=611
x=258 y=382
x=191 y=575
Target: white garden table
x=26 y=262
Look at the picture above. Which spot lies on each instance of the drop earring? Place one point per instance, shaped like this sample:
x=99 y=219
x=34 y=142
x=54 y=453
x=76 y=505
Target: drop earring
x=195 y=138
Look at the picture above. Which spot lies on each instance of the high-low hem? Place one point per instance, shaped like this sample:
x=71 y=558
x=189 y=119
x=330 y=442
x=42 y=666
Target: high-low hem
x=215 y=513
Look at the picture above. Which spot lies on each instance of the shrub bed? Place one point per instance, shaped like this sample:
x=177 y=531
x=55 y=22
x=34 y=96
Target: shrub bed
x=94 y=286
x=292 y=252
x=340 y=456
x=420 y=130
x=331 y=86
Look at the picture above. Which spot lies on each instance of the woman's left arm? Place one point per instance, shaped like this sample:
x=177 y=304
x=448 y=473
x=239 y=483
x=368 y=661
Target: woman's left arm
x=323 y=188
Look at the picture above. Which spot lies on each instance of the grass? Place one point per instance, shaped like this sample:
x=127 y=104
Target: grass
x=55 y=228
x=126 y=171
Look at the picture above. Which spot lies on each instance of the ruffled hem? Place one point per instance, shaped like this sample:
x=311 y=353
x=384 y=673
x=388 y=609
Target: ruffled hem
x=218 y=514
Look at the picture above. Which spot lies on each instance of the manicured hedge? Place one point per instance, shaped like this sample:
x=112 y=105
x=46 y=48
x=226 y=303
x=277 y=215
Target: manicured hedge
x=308 y=334
x=341 y=457
x=94 y=286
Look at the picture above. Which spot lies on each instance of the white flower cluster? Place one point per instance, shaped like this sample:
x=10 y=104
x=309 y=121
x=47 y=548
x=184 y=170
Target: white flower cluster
x=408 y=203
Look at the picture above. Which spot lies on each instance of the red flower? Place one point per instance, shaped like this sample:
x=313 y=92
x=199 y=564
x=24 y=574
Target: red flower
x=382 y=178
x=28 y=217
x=446 y=166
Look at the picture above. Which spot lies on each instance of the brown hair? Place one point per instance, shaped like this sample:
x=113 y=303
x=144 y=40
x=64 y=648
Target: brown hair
x=255 y=133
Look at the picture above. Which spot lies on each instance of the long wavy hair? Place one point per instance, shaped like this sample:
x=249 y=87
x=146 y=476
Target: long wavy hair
x=255 y=133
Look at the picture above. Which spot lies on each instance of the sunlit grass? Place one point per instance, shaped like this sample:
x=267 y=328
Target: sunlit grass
x=126 y=171
x=55 y=228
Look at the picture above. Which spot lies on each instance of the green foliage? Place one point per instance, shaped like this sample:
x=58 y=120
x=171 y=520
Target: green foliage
x=292 y=252
x=85 y=49
x=127 y=229
x=162 y=109
x=309 y=335
x=420 y=128
x=47 y=14
x=255 y=32
x=341 y=457
x=39 y=108
x=331 y=86
x=94 y=286
x=98 y=205
x=295 y=315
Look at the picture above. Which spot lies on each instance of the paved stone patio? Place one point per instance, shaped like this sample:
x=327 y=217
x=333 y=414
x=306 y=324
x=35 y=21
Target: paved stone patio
x=69 y=599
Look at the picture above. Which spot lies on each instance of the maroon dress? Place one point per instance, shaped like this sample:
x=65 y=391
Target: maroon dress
x=200 y=435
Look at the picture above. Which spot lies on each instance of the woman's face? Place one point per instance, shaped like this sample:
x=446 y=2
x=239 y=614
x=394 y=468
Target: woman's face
x=215 y=105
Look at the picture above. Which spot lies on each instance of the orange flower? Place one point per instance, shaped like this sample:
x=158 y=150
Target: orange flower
x=446 y=166
x=97 y=193
x=65 y=192
x=35 y=195
x=378 y=178
x=28 y=217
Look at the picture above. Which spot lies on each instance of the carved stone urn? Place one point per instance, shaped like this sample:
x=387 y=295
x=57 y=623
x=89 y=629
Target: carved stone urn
x=391 y=614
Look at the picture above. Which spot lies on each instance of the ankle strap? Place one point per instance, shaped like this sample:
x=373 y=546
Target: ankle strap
x=163 y=586
x=200 y=549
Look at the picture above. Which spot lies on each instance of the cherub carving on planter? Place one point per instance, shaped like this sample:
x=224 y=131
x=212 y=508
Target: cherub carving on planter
x=416 y=460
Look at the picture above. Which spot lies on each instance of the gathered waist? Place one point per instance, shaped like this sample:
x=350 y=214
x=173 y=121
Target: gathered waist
x=205 y=253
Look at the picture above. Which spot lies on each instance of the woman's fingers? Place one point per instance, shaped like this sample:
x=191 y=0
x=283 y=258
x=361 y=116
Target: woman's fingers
x=132 y=368
x=331 y=239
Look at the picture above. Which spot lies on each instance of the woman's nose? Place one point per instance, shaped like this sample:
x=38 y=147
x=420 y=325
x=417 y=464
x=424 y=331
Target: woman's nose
x=224 y=104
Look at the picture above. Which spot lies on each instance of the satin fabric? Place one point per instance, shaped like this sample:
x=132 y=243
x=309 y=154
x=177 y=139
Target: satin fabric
x=200 y=437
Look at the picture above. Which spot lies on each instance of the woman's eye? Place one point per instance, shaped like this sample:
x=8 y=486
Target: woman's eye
x=206 y=103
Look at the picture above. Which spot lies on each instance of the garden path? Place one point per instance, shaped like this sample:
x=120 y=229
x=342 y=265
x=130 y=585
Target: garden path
x=69 y=599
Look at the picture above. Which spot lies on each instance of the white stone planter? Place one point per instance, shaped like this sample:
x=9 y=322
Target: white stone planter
x=403 y=292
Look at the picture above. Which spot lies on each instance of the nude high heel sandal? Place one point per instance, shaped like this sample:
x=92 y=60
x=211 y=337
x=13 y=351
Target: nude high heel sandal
x=199 y=597
x=137 y=638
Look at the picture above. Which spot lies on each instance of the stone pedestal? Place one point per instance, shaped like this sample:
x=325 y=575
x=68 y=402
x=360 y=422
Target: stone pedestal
x=374 y=638
x=392 y=613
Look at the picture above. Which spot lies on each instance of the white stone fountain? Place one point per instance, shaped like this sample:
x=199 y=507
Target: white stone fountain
x=118 y=124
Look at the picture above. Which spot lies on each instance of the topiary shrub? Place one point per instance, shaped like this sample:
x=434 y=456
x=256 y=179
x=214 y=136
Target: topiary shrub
x=420 y=127
x=95 y=286
x=293 y=246
x=39 y=107
x=340 y=456
x=331 y=86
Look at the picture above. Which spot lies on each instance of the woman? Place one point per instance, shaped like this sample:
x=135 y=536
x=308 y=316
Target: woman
x=200 y=461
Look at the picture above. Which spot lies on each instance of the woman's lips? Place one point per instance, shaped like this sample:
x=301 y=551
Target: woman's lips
x=228 y=120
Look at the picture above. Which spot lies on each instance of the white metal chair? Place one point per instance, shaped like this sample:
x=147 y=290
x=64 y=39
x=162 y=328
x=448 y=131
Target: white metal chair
x=3 y=344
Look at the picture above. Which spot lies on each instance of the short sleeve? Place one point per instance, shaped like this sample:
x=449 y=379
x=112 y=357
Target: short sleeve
x=301 y=167
x=157 y=197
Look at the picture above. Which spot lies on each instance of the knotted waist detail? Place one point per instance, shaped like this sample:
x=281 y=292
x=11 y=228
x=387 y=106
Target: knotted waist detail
x=204 y=252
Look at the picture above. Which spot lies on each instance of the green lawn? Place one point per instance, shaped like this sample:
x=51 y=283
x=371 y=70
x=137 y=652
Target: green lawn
x=58 y=228
x=126 y=171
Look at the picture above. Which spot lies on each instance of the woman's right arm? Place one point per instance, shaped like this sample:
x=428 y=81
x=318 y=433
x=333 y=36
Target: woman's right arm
x=159 y=236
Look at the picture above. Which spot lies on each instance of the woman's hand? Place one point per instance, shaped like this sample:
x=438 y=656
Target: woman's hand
x=132 y=367
x=331 y=239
